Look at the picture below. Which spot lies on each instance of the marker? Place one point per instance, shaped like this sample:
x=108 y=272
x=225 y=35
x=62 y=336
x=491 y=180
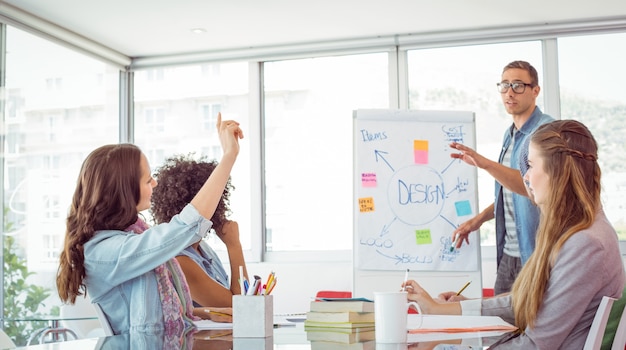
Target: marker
x=406 y=278
x=462 y=289
x=455 y=244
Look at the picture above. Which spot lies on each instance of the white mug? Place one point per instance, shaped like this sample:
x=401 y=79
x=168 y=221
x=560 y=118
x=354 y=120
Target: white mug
x=390 y=316
x=392 y=346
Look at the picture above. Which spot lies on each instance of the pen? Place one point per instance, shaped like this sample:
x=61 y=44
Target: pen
x=253 y=288
x=241 y=286
x=216 y=312
x=259 y=286
x=406 y=278
x=280 y=325
x=462 y=289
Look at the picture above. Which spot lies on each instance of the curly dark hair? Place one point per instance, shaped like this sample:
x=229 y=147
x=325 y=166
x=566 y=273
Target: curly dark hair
x=179 y=179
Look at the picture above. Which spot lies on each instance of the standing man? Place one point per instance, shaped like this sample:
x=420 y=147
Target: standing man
x=516 y=216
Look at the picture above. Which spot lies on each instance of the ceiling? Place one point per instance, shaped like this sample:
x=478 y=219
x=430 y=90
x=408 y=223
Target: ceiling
x=152 y=28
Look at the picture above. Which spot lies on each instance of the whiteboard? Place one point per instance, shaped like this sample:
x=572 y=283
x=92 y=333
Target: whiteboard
x=410 y=195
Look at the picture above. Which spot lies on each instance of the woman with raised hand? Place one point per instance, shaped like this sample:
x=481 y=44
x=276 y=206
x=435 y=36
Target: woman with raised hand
x=127 y=267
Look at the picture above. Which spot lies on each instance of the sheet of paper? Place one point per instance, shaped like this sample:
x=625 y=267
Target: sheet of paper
x=455 y=327
x=289 y=319
x=208 y=324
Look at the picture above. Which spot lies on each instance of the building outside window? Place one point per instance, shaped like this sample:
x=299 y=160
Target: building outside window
x=60 y=106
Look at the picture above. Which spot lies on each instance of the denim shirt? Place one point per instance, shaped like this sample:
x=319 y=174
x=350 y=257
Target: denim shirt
x=210 y=263
x=119 y=269
x=526 y=213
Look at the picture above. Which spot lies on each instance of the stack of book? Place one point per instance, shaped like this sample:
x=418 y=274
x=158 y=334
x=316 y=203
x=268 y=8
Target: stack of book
x=340 y=321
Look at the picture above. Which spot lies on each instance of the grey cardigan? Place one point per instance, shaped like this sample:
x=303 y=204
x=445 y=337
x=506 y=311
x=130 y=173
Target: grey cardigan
x=588 y=267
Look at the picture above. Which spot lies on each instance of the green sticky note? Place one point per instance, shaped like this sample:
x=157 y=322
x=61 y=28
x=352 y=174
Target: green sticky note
x=423 y=237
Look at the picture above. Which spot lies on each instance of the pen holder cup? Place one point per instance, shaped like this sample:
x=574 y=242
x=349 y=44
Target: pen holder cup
x=266 y=343
x=253 y=316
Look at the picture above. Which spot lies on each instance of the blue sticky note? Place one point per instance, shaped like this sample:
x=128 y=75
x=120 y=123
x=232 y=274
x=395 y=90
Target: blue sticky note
x=463 y=208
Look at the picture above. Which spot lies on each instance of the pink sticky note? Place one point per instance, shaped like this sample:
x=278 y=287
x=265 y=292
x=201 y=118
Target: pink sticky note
x=420 y=151
x=421 y=157
x=368 y=179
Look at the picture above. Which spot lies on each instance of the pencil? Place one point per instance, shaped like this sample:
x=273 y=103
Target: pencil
x=218 y=335
x=216 y=312
x=462 y=289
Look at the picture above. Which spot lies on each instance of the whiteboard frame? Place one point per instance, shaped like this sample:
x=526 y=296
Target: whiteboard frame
x=366 y=282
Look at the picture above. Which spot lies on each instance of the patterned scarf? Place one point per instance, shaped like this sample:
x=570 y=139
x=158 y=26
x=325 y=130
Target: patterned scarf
x=174 y=293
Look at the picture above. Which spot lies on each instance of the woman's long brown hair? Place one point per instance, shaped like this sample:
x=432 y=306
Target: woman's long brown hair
x=106 y=197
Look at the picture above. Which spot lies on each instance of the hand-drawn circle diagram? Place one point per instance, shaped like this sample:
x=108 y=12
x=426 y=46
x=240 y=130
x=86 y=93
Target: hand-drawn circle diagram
x=416 y=194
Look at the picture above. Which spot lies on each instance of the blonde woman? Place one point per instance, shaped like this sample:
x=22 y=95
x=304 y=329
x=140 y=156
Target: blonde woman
x=576 y=260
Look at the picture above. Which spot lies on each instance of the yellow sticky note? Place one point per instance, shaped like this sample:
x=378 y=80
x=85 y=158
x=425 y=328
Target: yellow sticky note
x=366 y=204
x=423 y=237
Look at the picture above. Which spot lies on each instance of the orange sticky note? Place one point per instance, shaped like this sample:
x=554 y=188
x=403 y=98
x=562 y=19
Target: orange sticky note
x=366 y=204
x=420 y=151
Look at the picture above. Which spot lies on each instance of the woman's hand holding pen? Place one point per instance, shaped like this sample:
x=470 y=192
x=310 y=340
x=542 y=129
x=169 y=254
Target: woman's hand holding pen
x=447 y=297
x=418 y=294
x=427 y=304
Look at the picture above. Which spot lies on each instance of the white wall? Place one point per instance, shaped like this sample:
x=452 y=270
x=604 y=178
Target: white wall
x=299 y=282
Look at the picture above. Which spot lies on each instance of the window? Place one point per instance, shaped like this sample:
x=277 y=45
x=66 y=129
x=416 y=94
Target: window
x=60 y=110
x=154 y=120
x=154 y=74
x=464 y=78
x=209 y=116
x=591 y=76
x=54 y=84
x=308 y=146
x=193 y=100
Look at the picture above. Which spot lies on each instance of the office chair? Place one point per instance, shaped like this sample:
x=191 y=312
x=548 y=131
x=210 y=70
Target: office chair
x=594 y=338
x=104 y=321
x=619 y=342
x=5 y=341
x=81 y=308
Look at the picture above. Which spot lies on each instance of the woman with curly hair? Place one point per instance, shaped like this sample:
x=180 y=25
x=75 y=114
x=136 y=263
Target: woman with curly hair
x=576 y=261
x=127 y=267
x=179 y=178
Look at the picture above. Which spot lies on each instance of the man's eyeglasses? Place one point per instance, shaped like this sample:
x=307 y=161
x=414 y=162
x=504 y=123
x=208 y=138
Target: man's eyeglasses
x=517 y=87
